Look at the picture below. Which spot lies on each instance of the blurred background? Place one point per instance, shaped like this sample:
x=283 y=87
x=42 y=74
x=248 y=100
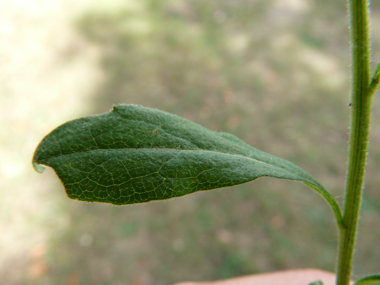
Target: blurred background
x=273 y=72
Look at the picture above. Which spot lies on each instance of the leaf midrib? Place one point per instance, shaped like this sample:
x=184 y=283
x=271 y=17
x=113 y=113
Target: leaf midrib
x=168 y=132
x=171 y=149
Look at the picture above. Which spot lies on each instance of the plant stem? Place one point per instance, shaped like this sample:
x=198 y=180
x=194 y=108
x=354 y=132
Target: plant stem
x=361 y=102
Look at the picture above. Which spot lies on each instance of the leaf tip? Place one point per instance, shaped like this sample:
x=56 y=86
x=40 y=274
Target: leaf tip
x=38 y=167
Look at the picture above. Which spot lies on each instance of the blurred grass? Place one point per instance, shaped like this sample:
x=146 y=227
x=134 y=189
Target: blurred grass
x=274 y=73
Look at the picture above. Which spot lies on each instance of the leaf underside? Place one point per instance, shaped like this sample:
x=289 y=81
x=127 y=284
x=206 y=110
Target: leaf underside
x=135 y=154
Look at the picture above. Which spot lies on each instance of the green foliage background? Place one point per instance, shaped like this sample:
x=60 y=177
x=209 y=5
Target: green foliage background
x=273 y=73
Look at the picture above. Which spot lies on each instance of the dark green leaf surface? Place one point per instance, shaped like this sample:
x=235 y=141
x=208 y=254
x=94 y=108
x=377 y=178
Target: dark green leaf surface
x=135 y=154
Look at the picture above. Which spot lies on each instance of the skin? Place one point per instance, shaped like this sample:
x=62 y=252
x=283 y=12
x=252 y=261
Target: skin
x=288 y=277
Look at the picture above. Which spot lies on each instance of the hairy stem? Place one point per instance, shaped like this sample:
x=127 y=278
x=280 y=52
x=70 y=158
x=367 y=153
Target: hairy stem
x=361 y=102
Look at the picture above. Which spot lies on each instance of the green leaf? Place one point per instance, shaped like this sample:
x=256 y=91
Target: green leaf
x=135 y=154
x=370 y=279
x=318 y=282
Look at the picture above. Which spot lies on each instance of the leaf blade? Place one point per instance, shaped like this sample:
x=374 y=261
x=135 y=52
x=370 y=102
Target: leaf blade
x=136 y=154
